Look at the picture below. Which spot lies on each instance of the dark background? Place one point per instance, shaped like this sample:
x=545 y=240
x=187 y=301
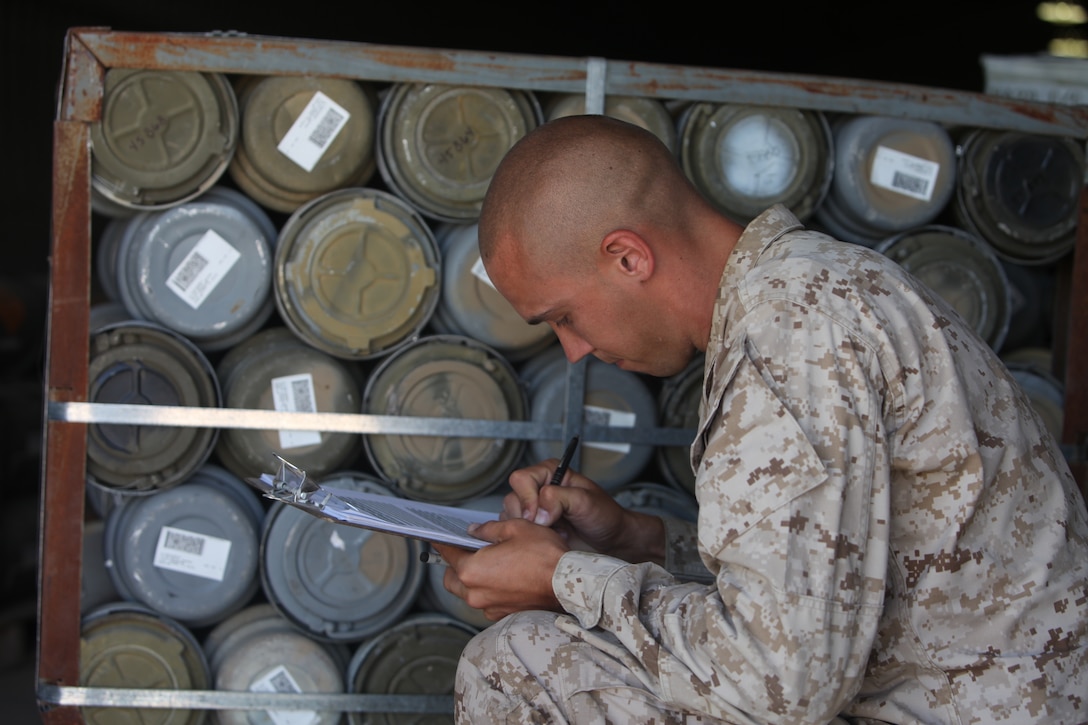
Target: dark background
x=925 y=42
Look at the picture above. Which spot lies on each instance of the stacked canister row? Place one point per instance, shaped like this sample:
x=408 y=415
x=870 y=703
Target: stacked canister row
x=308 y=244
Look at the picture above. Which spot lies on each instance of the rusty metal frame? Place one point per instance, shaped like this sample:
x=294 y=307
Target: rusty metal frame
x=88 y=52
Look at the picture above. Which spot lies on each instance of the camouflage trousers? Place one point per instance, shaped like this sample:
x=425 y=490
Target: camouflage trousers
x=541 y=667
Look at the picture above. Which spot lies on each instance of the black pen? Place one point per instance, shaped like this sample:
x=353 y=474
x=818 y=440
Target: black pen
x=564 y=462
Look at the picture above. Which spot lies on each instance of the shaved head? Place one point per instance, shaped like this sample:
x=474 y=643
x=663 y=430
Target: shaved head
x=563 y=187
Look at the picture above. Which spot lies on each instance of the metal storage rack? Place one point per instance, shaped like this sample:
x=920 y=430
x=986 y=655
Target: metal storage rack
x=89 y=52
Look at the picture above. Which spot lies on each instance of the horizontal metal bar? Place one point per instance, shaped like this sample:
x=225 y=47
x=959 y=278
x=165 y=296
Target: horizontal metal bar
x=194 y=417
x=240 y=53
x=226 y=700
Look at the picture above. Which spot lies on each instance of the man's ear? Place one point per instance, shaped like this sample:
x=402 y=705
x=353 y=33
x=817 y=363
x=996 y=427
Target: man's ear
x=628 y=253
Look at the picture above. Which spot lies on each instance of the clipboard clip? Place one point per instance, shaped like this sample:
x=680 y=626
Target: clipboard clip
x=290 y=484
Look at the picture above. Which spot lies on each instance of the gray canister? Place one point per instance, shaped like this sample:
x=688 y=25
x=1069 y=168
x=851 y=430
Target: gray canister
x=890 y=175
x=445 y=376
x=274 y=370
x=202 y=268
x=613 y=397
x=418 y=656
x=190 y=552
x=657 y=500
x=338 y=583
x=126 y=645
x=147 y=364
x=1020 y=192
x=471 y=306
x=164 y=137
x=257 y=650
x=962 y=270
x=745 y=159
x=678 y=407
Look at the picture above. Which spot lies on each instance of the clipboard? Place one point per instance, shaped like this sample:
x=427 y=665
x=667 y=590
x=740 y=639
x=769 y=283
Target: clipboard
x=428 y=522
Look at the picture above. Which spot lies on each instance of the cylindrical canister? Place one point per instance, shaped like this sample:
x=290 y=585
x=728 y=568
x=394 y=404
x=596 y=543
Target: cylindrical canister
x=189 y=552
x=1031 y=366
x=147 y=364
x=1020 y=192
x=125 y=645
x=471 y=306
x=658 y=500
x=445 y=376
x=678 y=407
x=439 y=145
x=333 y=582
x=164 y=137
x=274 y=370
x=613 y=397
x=648 y=113
x=301 y=137
x=961 y=269
x=257 y=650
x=418 y=656
x=745 y=159
x=356 y=273
x=202 y=268
x=890 y=175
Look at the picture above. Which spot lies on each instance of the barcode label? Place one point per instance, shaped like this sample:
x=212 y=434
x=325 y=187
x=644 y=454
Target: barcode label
x=904 y=174
x=202 y=269
x=295 y=394
x=596 y=415
x=480 y=273
x=313 y=131
x=279 y=680
x=192 y=553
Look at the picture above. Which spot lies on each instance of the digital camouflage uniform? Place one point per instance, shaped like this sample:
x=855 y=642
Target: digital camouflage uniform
x=893 y=535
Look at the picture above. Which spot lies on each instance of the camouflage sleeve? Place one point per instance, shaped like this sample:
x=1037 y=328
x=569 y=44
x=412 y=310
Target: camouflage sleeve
x=792 y=524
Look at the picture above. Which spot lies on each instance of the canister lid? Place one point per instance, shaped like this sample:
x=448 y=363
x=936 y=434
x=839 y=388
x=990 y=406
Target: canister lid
x=963 y=270
x=164 y=136
x=647 y=113
x=653 y=498
x=418 y=656
x=613 y=397
x=203 y=268
x=145 y=363
x=356 y=273
x=471 y=306
x=96 y=588
x=438 y=145
x=444 y=376
x=124 y=645
x=678 y=404
x=256 y=650
x=890 y=175
x=1020 y=192
x=274 y=370
x=338 y=583
x=747 y=158
x=303 y=136
x=1031 y=367
x=189 y=552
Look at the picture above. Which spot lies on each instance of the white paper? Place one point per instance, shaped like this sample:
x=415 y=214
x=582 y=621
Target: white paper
x=204 y=267
x=313 y=131
x=189 y=552
x=279 y=679
x=904 y=174
x=295 y=394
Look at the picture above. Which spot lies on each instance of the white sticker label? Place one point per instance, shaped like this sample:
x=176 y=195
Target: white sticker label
x=279 y=679
x=295 y=394
x=191 y=553
x=313 y=131
x=612 y=418
x=903 y=173
x=206 y=264
x=480 y=273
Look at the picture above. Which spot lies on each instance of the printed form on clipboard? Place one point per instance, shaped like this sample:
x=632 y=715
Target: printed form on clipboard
x=389 y=514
